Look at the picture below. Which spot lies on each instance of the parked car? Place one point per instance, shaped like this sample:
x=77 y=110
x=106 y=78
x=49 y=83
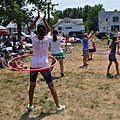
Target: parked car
x=24 y=36
x=102 y=35
x=79 y=34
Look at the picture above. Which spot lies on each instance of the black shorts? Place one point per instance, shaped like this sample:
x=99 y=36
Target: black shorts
x=112 y=58
x=46 y=74
x=91 y=50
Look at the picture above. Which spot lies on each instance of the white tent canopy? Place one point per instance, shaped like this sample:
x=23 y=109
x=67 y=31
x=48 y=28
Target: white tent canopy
x=12 y=25
x=3 y=28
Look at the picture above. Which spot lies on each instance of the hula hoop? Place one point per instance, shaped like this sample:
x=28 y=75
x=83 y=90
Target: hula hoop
x=98 y=52
x=36 y=69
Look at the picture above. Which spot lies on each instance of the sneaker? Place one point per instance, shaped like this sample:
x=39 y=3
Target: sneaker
x=89 y=59
x=84 y=66
x=62 y=75
x=117 y=74
x=62 y=107
x=109 y=74
x=30 y=108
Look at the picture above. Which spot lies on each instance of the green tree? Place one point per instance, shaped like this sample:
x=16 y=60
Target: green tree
x=85 y=12
x=93 y=17
x=16 y=11
x=80 y=12
x=13 y=10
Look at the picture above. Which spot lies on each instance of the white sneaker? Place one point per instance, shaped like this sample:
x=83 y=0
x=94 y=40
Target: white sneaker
x=30 y=108
x=61 y=108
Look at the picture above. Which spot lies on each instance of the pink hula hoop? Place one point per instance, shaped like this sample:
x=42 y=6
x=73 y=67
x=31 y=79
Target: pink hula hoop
x=98 y=52
x=37 y=69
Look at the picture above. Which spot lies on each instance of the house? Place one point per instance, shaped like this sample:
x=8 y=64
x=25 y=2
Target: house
x=12 y=27
x=109 y=21
x=67 y=25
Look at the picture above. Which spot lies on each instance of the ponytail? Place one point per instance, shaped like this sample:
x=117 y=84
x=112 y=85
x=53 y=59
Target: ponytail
x=54 y=38
x=55 y=33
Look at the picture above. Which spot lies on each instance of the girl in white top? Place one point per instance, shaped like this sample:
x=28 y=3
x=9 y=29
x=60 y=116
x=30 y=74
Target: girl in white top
x=56 y=50
x=90 y=45
x=40 y=60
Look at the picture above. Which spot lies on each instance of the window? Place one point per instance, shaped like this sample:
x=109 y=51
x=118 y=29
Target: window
x=67 y=21
x=59 y=28
x=103 y=27
x=114 y=27
x=68 y=27
x=106 y=19
x=115 y=19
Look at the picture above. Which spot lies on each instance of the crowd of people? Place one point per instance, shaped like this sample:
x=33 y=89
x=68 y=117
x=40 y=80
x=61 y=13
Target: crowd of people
x=10 y=48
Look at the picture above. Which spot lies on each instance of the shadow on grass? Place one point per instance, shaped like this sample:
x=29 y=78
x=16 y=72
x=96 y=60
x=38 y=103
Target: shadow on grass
x=25 y=116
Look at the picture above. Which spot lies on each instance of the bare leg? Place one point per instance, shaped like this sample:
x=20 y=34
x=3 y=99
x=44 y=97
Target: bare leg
x=54 y=94
x=53 y=61
x=108 y=69
x=61 y=66
x=31 y=93
x=91 y=53
x=117 y=67
x=84 y=60
x=4 y=64
x=108 y=42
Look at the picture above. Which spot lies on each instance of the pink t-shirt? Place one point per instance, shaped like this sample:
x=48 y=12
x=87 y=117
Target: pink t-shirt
x=40 y=51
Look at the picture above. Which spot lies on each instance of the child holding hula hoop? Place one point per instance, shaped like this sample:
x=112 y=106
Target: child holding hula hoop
x=112 y=57
x=56 y=50
x=40 y=60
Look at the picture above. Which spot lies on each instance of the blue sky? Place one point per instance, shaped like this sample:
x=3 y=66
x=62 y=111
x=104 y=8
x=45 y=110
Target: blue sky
x=109 y=5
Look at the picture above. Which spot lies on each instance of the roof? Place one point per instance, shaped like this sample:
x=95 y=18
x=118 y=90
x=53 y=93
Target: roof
x=76 y=21
x=102 y=15
x=3 y=28
x=11 y=25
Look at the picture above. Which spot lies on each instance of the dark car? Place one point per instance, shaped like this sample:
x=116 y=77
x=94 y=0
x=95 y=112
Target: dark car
x=102 y=35
x=79 y=34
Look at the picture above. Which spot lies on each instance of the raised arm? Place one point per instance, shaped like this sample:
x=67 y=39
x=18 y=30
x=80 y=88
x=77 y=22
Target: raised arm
x=44 y=19
x=90 y=34
x=34 y=22
x=60 y=35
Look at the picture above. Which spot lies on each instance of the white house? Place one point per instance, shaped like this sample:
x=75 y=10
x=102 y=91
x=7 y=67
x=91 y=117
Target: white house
x=109 y=21
x=12 y=27
x=67 y=25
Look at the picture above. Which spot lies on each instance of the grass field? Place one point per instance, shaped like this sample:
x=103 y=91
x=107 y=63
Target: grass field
x=87 y=93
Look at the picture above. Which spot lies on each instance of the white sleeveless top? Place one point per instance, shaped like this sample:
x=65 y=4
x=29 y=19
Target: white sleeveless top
x=56 y=46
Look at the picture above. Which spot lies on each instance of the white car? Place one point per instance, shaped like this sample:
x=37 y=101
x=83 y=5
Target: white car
x=25 y=37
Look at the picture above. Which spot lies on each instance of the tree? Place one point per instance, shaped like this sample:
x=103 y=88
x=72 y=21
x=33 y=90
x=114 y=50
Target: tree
x=13 y=10
x=85 y=12
x=16 y=11
x=93 y=16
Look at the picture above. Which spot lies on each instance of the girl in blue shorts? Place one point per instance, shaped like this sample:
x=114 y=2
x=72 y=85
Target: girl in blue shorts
x=112 y=57
x=40 y=60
